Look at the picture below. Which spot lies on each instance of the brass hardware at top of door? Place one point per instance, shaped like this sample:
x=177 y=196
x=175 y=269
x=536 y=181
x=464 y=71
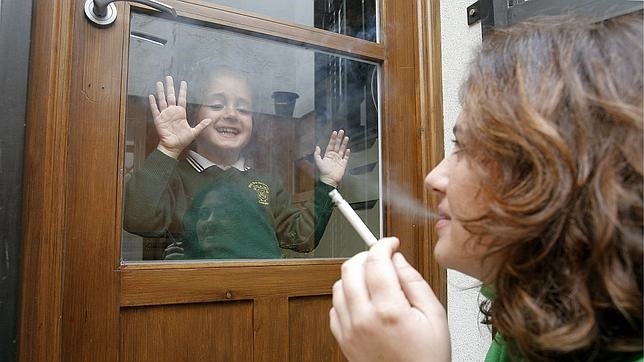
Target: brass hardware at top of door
x=103 y=12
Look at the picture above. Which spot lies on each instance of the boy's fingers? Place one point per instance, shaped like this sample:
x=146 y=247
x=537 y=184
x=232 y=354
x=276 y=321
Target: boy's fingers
x=418 y=292
x=183 y=91
x=347 y=153
x=343 y=146
x=169 y=85
x=153 y=106
x=338 y=141
x=161 y=97
x=201 y=126
x=332 y=141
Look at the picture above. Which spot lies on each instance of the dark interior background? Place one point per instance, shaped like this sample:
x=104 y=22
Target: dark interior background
x=15 y=30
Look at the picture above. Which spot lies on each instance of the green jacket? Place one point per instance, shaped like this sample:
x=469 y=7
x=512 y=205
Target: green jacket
x=498 y=351
x=221 y=214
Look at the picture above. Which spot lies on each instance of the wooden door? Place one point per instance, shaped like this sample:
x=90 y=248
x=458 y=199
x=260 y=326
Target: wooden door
x=81 y=302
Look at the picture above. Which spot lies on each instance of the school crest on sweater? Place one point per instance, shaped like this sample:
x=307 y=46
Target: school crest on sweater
x=262 y=191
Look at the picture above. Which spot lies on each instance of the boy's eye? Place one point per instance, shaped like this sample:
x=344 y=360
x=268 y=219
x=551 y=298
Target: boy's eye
x=217 y=106
x=243 y=110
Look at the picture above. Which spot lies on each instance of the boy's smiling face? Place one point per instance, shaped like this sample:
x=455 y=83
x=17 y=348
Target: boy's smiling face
x=228 y=104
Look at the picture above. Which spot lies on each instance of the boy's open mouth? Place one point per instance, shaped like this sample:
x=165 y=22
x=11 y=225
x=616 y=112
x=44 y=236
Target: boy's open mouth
x=226 y=131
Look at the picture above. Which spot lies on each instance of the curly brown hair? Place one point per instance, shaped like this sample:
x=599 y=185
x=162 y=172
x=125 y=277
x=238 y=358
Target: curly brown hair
x=557 y=107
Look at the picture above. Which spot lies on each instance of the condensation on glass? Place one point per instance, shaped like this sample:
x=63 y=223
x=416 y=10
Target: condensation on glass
x=265 y=209
x=356 y=18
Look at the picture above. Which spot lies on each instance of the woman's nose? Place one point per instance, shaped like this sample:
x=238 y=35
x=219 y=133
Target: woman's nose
x=211 y=216
x=437 y=179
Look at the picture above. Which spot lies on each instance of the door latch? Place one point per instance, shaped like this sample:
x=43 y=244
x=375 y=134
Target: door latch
x=103 y=12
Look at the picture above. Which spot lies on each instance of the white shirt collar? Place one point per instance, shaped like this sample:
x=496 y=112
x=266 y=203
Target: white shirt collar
x=200 y=163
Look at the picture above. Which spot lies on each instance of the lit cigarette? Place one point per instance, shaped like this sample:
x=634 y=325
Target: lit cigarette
x=353 y=218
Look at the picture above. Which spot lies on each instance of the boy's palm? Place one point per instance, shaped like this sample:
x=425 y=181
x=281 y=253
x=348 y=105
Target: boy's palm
x=173 y=128
x=334 y=163
x=170 y=121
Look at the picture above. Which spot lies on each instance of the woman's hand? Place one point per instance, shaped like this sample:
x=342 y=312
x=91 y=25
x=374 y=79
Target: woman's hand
x=334 y=162
x=175 y=134
x=383 y=310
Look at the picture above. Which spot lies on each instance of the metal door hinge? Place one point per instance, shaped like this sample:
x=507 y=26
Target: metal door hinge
x=473 y=13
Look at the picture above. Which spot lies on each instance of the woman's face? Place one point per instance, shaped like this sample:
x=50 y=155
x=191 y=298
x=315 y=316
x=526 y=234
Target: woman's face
x=228 y=104
x=460 y=199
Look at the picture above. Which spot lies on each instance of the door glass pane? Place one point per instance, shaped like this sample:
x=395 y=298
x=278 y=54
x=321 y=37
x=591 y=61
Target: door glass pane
x=249 y=185
x=356 y=18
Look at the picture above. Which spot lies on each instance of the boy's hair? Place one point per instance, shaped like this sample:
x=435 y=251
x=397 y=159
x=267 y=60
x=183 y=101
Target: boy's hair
x=199 y=79
x=553 y=129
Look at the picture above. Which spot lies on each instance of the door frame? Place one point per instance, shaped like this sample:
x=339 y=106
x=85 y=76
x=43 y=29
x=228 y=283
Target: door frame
x=72 y=282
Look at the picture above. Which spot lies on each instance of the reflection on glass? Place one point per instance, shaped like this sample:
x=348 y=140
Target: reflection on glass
x=249 y=185
x=356 y=18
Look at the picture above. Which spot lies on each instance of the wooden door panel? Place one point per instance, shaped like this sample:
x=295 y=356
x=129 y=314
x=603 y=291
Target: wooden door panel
x=188 y=332
x=310 y=337
x=271 y=329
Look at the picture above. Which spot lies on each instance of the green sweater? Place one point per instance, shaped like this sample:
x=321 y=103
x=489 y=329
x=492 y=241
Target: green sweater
x=221 y=214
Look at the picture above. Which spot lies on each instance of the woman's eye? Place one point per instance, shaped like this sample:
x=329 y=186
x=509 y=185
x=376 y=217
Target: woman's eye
x=457 y=149
x=204 y=213
x=217 y=106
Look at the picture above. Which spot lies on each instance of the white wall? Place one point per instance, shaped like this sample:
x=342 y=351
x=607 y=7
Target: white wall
x=470 y=339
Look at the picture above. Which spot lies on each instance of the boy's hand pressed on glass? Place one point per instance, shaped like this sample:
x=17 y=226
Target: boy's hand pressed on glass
x=383 y=310
x=334 y=162
x=175 y=133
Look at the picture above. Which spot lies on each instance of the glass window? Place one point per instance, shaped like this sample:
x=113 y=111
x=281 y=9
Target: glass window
x=356 y=18
x=248 y=185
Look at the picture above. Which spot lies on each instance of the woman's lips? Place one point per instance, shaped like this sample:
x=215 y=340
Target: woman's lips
x=443 y=220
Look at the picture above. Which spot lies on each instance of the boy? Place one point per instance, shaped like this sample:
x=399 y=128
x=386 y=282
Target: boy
x=210 y=204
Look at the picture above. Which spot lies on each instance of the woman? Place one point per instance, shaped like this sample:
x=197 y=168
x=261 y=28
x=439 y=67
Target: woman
x=542 y=200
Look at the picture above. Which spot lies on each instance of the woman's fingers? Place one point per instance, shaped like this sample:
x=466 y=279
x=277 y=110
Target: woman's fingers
x=418 y=292
x=336 y=329
x=340 y=306
x=381 y=276
x=354 y=285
